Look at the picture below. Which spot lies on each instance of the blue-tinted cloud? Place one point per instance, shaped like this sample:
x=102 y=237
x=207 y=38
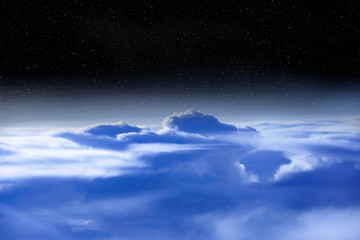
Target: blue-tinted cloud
x=275 y=223
x=116 y=181
x=311 y=145
x=165 y=205
x=111 y=130
x=192 y=121
x=116 y=149
x=5 y=152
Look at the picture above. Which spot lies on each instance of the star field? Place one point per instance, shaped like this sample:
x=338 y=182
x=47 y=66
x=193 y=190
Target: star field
x=269 y=53
x=168 y=39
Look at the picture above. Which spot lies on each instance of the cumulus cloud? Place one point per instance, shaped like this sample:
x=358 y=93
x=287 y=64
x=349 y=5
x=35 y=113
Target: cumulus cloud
x=115 y=149
x=281 y=150
x=192 y=121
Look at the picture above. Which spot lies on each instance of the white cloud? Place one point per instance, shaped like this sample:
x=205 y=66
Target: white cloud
x=105 y=150
x=48 y=156
x=330 y=224
x=39 y=156
x=257 y=223
x=99 y=151
x=311 y=144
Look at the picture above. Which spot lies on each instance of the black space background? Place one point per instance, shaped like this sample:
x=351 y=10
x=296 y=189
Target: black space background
x=126 y=43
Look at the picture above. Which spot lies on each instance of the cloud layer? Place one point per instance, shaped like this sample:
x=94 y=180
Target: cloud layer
x=196 y=178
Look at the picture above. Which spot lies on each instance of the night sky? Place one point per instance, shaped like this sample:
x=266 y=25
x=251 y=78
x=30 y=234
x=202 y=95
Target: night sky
x=250 y=57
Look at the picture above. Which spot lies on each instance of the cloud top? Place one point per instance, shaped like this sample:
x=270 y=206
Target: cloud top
x=192 y=121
